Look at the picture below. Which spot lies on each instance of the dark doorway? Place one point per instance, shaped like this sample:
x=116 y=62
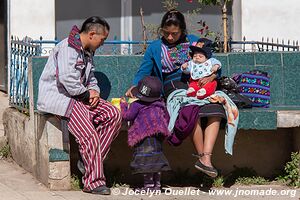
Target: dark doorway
x=3 y=45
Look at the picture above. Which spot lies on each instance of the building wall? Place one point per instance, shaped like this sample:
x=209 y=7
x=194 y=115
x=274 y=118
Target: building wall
x=252 y=149
x=111 y=11
x=54 y=18
x=33 y=18
x=74 y=12
x=154 y=11
x=270 y=18
x=252 y=18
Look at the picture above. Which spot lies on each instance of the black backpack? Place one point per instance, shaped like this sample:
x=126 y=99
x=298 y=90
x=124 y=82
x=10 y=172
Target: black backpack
x=230 y=87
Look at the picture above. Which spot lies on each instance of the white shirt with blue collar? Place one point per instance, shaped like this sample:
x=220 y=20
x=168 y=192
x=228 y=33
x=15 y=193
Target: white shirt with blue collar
x=200 y=70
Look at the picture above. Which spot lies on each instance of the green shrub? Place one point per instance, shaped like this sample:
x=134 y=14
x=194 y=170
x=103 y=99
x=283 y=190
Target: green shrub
x=255 y=180
x=75 y=182
x=218 y=182
x=291 y=174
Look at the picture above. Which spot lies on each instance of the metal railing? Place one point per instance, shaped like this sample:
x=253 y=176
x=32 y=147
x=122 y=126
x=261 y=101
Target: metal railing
x=263 y=45
x=113 y=47
x=119 y=47
x=21 y=50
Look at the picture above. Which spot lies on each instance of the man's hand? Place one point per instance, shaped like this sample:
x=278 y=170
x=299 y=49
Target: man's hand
x=129 y=93
x=204 y=80
x=94 y=98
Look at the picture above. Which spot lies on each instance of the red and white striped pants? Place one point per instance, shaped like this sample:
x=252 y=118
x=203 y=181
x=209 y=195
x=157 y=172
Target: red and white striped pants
x=94 y=130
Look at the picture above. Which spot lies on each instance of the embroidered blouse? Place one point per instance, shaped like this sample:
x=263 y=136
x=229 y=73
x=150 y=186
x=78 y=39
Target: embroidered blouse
x=173 y=56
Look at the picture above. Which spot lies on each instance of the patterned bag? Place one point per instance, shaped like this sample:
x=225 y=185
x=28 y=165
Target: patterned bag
x=255 y=85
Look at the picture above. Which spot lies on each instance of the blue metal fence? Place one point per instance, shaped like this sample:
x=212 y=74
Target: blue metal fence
x=21 y=50
x=113 y=47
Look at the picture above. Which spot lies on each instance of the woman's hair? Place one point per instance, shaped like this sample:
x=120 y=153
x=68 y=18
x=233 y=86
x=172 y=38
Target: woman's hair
x=174 y=17
x=94 y=23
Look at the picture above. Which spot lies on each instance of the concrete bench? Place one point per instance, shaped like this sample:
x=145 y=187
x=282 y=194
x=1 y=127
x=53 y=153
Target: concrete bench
x=278 y=124
x=115 y=74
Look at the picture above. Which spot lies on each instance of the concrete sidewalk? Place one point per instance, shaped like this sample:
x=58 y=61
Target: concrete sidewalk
x=17 y=184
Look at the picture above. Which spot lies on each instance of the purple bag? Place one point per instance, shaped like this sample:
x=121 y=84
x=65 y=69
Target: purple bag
x=255 y=85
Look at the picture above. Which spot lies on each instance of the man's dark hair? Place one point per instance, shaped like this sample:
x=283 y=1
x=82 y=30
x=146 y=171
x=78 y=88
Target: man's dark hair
x=174 y=17
x=94 y=23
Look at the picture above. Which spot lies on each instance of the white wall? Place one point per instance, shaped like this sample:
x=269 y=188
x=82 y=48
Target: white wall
x=33 y=18
x=270 y=18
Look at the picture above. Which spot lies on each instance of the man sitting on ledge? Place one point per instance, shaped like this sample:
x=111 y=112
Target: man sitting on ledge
x=68 y=88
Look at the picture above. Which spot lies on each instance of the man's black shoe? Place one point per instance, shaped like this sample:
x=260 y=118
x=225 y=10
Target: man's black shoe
x=102 y=190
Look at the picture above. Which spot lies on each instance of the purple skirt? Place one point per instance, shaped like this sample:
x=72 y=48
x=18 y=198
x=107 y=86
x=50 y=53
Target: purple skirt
x=189 y=115
x=148 y=156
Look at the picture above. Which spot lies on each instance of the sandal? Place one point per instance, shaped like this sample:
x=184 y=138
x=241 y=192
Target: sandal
x=210 y=171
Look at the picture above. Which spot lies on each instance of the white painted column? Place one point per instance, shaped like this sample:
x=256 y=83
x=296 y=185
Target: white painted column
x=237 y=26
x=32 y=18
x=126 y=25
x=237 y=20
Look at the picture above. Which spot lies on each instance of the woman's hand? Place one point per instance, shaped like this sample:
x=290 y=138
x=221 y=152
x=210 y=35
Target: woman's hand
x=184 y=66
x=94 y=98
x=215 y=68
x=129 y=93
x=204 y=80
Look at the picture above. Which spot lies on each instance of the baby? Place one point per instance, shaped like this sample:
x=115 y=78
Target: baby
x=201 y=65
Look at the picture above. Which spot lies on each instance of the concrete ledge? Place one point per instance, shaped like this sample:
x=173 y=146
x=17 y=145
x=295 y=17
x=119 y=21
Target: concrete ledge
x=58 y=155
x=257 y=119
x=21 y=138
x=288 y=119
x=53 y=162
x=31 y=139
x=59 y=175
